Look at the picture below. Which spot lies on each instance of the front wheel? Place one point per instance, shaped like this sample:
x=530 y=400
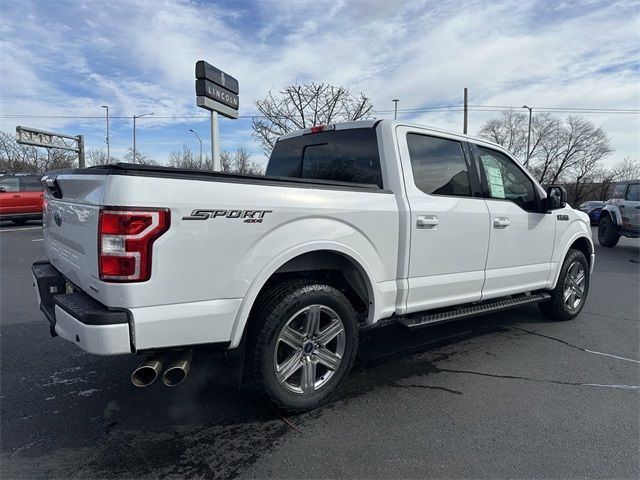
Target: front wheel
x=608 y=234
x=570 y=294
x=302 y=344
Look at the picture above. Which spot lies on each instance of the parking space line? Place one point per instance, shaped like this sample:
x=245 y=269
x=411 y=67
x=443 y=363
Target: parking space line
x=38 y=240
x=19 y=229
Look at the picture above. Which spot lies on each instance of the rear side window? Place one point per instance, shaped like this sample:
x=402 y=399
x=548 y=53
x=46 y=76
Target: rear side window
x=340 y=155
x=633 y=194
x=32 y=184
x=438 y=165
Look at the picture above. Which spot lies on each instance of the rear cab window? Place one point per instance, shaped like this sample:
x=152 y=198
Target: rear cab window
x=336 y=155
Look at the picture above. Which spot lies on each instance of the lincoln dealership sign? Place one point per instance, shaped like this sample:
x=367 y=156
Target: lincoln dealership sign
x=216 y=90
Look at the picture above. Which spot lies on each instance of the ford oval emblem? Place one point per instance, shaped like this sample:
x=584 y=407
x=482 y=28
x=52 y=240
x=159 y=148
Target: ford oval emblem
x=57 y=218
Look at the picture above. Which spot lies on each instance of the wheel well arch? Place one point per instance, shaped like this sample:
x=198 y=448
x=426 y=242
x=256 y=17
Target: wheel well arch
x=582 y=244
x=330 y=262
x=331 y=267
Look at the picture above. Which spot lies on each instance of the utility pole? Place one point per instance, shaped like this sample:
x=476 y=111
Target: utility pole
x=215 y=142
x=466 y=110
x=395 y=108
x=134 y=132
x=200 y=140
x=526 y=162
x=108 y=146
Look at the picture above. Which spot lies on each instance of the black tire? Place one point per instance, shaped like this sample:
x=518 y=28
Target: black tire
x=20 y=221
x=278 y=308
x=608 y=233
x=557 y=308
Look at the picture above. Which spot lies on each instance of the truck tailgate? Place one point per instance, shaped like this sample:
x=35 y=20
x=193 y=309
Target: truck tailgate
x=70 y=226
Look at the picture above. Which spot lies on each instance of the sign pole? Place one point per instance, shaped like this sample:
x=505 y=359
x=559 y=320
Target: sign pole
x=215 y=142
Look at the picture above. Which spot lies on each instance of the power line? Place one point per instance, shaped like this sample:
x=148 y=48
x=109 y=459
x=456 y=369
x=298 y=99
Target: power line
x=452 y=108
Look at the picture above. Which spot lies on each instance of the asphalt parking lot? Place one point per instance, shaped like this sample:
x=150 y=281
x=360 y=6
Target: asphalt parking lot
x=508 y=395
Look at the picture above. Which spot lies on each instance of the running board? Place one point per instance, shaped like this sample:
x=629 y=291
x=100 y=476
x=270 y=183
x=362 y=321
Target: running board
x=422 y=320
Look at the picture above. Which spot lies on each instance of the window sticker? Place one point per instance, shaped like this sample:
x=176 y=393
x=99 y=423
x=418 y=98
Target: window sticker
x=494 y=175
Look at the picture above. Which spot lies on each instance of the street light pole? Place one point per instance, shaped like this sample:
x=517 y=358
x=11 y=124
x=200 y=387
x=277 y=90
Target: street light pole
x=134 y=132
x=200 y=140
x=108 y=144
x=395 y=108
x=526 y=162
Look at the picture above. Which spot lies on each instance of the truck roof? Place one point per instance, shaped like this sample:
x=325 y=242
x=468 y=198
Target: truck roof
x=391 y=124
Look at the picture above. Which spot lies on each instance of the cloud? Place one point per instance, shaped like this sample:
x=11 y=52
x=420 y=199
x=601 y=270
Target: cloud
x=67 y=60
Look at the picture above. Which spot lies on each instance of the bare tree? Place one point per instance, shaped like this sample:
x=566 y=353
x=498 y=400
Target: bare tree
x=230 y=162
x=301 y=106
x=240 y=162
x=141 y=158
x=97 y=156
x=186 y=159
x=567 y=151
x=15 y=157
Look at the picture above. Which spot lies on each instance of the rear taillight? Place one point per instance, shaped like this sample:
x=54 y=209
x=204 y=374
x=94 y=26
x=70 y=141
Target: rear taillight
x=125 y=240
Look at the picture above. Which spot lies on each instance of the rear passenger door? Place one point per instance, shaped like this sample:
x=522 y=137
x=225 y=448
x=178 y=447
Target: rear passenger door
x=449 y=223
x=522 y=238
x=32 y=193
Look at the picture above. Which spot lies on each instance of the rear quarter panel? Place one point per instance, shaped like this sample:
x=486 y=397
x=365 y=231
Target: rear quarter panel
x=222 y=258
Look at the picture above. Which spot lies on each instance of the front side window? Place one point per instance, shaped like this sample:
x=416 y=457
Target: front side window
x=618 y=191
x=505 y=180
x=438 y=165
x=11 y=184
x=633 y=194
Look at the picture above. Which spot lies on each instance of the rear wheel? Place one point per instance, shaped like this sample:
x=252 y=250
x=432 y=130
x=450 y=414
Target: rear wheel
x=302 y=345
x=570 y=294
x=608 y=233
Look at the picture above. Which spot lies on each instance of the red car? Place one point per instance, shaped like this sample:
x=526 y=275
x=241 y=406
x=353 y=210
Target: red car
x=20 y=198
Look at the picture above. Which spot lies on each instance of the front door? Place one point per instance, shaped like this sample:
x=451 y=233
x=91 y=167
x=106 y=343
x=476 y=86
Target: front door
x=449 y=224
x=522 y=238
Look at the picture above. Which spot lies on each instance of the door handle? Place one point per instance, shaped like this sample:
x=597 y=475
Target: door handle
x=501 y=222
x=638 y=207
x=427 y=222
x=16 y=196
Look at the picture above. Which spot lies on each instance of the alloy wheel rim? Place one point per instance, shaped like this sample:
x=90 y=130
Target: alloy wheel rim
x=309 y=349
x=574 y=286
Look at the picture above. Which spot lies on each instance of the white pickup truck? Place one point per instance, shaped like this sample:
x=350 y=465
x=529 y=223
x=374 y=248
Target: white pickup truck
x=354 y=224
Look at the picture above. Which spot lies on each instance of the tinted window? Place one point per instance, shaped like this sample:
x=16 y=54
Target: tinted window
x=618 y=191
x=506 y=180
x=633 y=194
x=31 y=184
x=342 y=155
x=11 y=184
x=438 y=165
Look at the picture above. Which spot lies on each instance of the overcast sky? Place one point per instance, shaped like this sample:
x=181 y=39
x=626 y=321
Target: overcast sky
x=67 y=58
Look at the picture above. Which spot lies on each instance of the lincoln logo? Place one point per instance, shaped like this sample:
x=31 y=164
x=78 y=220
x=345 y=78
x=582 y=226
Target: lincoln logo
x=248 y=216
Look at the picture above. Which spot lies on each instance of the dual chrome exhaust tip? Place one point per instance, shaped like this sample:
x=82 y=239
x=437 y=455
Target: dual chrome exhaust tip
x=174 y=374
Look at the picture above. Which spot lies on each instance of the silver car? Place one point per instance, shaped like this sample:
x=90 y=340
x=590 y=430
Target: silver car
x=620 y=215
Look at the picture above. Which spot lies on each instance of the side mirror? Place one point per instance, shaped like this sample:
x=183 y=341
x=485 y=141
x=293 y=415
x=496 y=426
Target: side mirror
x=556 y=198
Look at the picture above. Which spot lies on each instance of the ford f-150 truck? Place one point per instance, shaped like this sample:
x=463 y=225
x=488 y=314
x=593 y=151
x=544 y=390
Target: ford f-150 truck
x=354 y=225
